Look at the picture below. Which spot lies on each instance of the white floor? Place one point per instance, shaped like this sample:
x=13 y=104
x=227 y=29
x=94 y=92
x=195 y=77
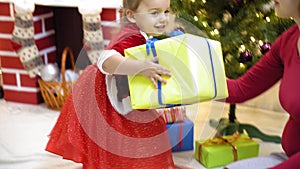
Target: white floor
x=24 y=129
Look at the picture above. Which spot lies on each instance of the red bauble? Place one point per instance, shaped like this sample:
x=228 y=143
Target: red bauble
x=246 y=57
x=238 y=1
x=265 y=47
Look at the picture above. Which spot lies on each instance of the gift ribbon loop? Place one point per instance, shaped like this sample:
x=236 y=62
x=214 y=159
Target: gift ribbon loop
x=234 y=149
x=221 y=140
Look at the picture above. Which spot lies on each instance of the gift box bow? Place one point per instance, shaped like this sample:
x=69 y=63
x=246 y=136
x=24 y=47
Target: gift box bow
x=223 y=140
x=222 y=150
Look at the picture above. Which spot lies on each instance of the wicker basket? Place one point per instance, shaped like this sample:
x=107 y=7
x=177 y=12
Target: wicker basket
x=56 y=93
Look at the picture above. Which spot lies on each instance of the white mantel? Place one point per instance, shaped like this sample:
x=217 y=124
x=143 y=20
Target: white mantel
x=74 y=3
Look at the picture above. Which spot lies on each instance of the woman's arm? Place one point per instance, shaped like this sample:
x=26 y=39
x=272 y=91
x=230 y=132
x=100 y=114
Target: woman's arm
x=260 y=77
x=292 y=162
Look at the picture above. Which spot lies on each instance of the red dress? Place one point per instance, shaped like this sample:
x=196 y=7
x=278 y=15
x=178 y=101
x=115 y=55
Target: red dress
x=90 y=131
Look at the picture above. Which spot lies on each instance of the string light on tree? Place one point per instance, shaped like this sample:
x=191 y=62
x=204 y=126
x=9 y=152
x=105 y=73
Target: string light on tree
x=252 y=39
x=242 y=67
x=196 y=18
x=235 y=23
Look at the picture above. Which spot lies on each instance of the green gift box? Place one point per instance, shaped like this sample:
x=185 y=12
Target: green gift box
x=223 y=150
x=197 y=69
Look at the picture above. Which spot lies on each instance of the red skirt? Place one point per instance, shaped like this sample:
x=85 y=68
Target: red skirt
x=90 y=131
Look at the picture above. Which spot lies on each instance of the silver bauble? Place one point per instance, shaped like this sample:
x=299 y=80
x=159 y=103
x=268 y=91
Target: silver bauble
x=71 y=76
x=50 y=72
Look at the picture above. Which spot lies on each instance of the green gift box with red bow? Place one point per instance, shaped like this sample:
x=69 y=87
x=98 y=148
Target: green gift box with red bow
x=220 y=151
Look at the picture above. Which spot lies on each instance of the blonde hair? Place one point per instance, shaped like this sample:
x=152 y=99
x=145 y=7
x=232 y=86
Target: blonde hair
x=129 y=4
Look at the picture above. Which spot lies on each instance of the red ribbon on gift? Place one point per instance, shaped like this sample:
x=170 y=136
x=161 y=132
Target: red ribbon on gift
x=221 y=140
x=180 y=136
x=173 y=115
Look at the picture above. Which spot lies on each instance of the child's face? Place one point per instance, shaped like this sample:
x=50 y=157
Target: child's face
x=287 y=8
x=152 y=16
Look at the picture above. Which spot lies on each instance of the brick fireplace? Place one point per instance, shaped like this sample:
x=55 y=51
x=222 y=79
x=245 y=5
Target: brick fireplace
x=55 y=27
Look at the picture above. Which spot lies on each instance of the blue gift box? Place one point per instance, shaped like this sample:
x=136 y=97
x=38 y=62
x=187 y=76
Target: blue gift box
x=181 y=135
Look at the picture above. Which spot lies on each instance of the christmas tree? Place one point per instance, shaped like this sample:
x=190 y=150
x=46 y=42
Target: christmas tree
x=246 y=30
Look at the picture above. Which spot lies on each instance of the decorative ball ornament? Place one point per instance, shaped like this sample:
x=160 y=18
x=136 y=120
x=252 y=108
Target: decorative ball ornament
x=238 y=1
x=50 y=72
x=265 y=47
x=70 y=75
x=246 y=57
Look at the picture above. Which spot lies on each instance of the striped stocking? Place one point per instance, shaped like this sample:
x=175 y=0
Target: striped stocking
x=92 y=31
x=23 y=40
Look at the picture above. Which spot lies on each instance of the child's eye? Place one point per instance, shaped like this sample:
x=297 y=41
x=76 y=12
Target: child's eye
x=167 y=12
x=155 y=13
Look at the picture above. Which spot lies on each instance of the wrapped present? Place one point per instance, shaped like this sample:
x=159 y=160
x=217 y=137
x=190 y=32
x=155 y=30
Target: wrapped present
x=197 y=69
x=173 y=114
x=181 y=135
x=223 y=150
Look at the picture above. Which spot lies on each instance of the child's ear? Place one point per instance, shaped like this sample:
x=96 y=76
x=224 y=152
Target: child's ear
x=130 y=16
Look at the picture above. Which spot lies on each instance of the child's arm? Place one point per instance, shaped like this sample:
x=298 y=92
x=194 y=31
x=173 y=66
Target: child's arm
x=117 y=64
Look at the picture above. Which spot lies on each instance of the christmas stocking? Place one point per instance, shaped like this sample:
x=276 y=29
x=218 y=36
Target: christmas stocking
x=92 y=31
x=23 y=38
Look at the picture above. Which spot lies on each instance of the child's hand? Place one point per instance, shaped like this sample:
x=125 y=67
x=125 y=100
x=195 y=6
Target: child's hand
x=154 y=71
x=117 y=64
